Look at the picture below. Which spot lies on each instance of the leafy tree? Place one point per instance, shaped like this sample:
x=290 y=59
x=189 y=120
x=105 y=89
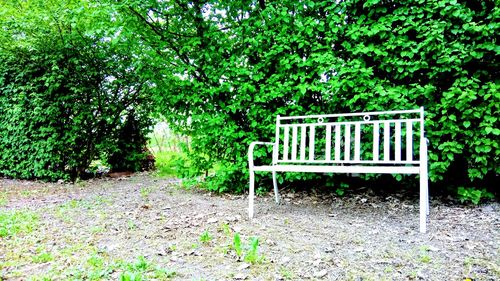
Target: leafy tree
x=230 y=67
x=66 y=88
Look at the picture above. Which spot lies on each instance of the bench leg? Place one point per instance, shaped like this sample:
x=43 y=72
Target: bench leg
x=424 y=201
x=424 y=184
x=275 y=184
x=251 y=194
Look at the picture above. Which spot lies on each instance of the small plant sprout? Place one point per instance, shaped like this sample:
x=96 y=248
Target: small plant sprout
x=237 y=244
x=129 y=276
x=425 y=258
x=252 y=255
x=172 y=247
x=131 y=225
x=225 y=229
x=205 y=237
x=286 y=273
x=145 y=191
x=141 y=264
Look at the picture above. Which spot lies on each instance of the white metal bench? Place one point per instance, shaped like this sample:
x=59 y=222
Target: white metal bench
x=390 y=142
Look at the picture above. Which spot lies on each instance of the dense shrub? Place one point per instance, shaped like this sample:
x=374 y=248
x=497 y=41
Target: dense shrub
x=57 y=114
x=231 y=67
x=67 y=95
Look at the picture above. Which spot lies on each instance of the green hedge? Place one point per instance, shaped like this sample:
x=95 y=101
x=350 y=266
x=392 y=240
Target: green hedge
x=57 y=116
x=69 y=93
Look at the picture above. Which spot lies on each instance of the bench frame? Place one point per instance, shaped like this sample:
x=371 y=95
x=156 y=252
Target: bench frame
x=343 y=161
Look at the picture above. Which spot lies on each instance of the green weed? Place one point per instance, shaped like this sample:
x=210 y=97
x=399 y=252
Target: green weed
x=131 y=225
x=237 y=245
x=130 y=276
x=140 y=265
x=225 y=229
x=205 y=237
x=286 y=273
x=162 y=274
x=43 y=257
x=95 y=261
x=96 y=229
x=172 y=247
x=145 y=191
x=252 y=255
x=425 y=258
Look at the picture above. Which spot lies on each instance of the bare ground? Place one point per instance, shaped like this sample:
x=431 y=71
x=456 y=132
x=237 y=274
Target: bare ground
x=308 y=237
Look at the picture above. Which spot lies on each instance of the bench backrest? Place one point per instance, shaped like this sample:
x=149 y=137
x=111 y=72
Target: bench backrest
x=372 y=138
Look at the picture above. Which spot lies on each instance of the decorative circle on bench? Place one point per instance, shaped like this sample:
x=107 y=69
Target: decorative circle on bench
x=320 y=120
x=366 y=118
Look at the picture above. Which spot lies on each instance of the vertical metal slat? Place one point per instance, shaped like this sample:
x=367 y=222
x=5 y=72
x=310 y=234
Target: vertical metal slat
x=376 y=141
x=285 y=142
x=294 y=143
x=303 y=131
x=328 y=148
x=357 y=141
x=337 y=142
x=347 y=143
x=409 y=140
x=397 y=142
x=311 y=143
x=387 y=141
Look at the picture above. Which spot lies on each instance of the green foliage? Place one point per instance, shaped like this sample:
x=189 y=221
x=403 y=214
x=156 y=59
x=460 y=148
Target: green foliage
x=13 y=223
x=170 y=163
x=67 y=92
x=341 y=189
x=473 y=195
x=228 y=68
x=77 y=84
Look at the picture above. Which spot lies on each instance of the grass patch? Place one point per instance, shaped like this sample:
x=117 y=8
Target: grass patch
x=169 y=163
x=43 y=257
x=13 y=223
x=99 y=267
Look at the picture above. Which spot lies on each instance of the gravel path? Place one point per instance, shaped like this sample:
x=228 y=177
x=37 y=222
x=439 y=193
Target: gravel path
x=191 y=234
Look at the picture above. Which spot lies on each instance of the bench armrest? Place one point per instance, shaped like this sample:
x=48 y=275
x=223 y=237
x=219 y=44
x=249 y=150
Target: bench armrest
x=251 y=149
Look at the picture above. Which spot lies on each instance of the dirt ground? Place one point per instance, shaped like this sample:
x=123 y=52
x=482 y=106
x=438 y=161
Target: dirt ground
x=103 y=223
